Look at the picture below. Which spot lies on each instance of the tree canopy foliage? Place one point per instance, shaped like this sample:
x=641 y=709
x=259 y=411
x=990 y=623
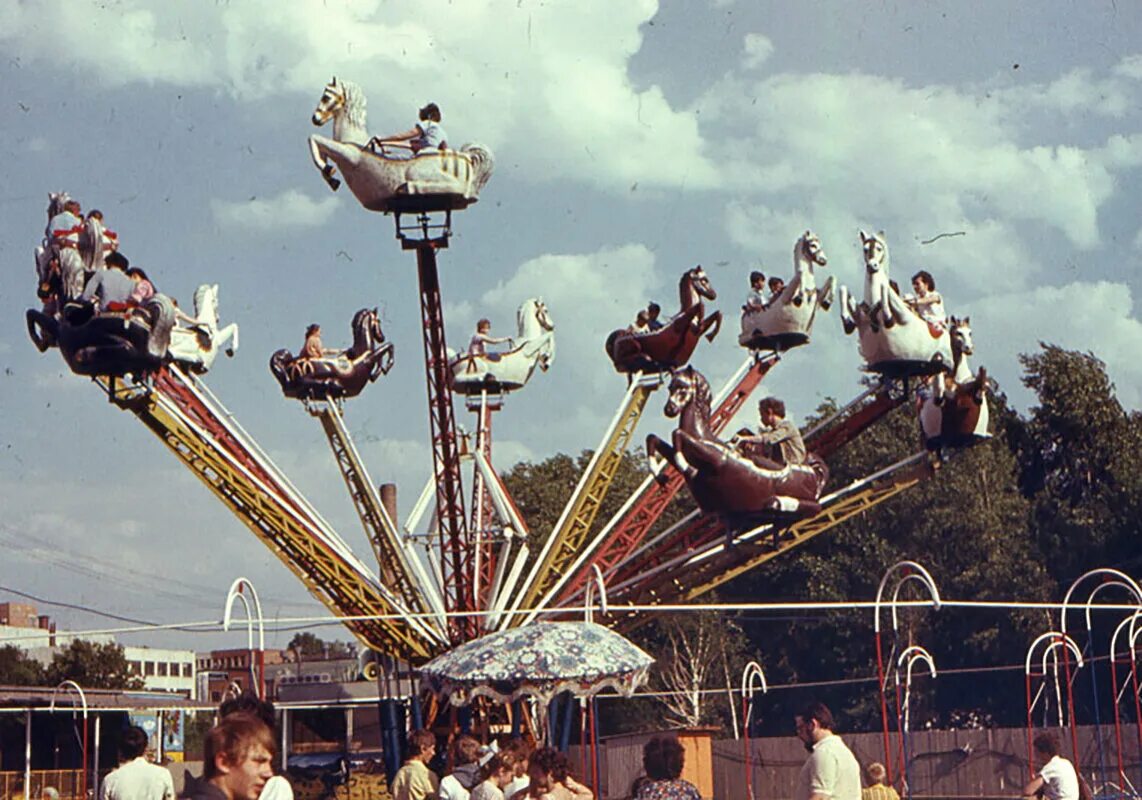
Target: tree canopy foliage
x=1054 y=494
x=19 y=669
x=312 y=646
x=93 y=666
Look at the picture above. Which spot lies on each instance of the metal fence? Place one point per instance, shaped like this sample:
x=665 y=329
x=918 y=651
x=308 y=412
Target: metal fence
x=64 y=781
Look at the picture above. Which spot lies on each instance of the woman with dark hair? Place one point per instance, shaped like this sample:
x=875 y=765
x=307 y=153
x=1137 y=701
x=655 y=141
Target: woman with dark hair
x=550 y=774
x=662 y=758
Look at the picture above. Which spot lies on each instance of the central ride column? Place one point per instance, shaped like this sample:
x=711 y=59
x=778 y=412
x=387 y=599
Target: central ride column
x=456 y=549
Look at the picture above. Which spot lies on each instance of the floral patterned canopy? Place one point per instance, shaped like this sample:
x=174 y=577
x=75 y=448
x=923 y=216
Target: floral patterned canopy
x=538 y=660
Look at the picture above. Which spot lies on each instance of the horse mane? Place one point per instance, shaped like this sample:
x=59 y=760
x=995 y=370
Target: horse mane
x=200 y=299
x=356 y=106
x=880 y=237
x=800 y=244
x=702 y=395
x=483 y=162
x=56 y=201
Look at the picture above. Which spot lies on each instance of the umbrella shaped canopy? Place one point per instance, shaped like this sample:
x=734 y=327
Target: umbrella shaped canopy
x=538 y=660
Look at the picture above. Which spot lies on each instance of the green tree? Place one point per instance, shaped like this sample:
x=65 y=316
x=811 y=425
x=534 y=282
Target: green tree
x=312 y=646
x=17 y=668
x=93 y=666
x=1082 y=456
x=967 y=524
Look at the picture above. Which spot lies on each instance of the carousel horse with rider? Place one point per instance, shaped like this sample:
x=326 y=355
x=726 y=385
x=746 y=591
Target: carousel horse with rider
x=480 y=369
x=897 y=338
x=953 y=409
x=743 y=485
x=105 y=315
x=417 y=170
x=318 y=373
x=671 y=344
x=911 y=335
x=785 y=319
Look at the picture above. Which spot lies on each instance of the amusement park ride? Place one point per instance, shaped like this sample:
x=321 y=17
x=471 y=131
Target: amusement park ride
x=472 y=575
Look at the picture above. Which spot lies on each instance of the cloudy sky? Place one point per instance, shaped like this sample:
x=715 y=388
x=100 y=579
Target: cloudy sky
x=632 y=140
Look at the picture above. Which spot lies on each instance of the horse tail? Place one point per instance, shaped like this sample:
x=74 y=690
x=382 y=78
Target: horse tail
x=610 y=345
x=820 y=469
x=279 y=364
x=483 y=161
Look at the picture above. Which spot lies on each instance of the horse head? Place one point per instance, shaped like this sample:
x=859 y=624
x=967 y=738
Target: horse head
x=376 y=333
x=695 y=284
x=206 y=304
x=341 y=101
x=808 y=250
x=543 y=317
x=875 y=252
x=332 y=100
x=56 y=202
x=367 y=333
x=960 y=333
x=533 y=319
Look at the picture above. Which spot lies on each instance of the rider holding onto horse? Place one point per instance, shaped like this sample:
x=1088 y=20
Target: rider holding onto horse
x=426 y=134
x=927 y=302
x=482 y=337
x=311 y=351
x=755 y=300
x=777 y=432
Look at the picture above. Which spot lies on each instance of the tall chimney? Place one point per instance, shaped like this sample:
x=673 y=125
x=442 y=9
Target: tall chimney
x=389 y=500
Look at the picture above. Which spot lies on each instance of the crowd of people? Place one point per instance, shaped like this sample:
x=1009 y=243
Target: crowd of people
x=473 y=771
x=110 y=285
x=238 y=757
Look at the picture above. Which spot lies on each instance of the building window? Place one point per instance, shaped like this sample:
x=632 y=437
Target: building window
x=133 y=667
x=188 y=670
x=216 y=697
x=162 y=669
x=149 y=668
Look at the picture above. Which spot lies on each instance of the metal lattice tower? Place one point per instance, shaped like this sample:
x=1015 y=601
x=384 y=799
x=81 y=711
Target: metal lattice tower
x=456 y=551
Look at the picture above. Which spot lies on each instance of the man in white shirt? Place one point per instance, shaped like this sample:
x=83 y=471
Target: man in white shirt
x=136 y=778
x=831 y=772
x=1057 y=779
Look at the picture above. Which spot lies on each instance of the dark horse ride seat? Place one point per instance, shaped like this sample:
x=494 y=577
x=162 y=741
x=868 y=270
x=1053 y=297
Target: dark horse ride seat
x=111 y=343
x=670 y=346
x=748 y=489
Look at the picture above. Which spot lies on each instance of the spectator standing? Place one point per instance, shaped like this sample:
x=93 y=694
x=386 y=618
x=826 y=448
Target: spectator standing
x=831 y=772
x=877 y=789
x=136 y=778
x=458 y=784
x=237 y=756
x=1056 y=779
x=663 y=759
x=414 y=780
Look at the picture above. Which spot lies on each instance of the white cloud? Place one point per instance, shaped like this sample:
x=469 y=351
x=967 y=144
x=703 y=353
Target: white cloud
x=1130 y=67
x=935 y=155
x=120 y=43
x=291 y=208
x=756 y=50
x=1079 y=316
x=551 y=79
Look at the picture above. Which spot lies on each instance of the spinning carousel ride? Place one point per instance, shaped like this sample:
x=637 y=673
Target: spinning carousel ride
x=470 y=575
